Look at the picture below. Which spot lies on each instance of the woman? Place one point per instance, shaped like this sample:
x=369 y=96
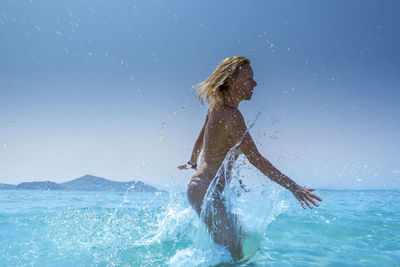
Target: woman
x=231 y=83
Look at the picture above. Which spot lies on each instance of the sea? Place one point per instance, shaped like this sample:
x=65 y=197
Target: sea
x=78 y=228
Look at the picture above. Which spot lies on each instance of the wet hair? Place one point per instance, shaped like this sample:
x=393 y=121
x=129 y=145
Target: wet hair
x=214 y=89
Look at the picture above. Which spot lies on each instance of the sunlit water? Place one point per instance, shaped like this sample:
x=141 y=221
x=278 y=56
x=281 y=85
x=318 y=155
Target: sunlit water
x=56 y=228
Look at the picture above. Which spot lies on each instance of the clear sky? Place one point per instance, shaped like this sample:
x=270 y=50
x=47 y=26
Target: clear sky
x=104 y=87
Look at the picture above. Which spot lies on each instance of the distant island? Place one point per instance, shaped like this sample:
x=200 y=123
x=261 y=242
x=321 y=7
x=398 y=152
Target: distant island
x=84 y=183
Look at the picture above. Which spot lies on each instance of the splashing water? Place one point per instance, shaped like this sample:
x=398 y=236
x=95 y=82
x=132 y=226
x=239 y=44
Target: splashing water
x=66 y=228
x=231 y=213
x=55 y=228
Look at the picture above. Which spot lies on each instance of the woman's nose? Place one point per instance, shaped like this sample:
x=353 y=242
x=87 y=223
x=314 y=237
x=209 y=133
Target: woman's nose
x=255 y=83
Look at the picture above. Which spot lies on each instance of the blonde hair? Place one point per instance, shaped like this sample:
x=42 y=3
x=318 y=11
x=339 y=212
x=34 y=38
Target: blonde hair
x=214 y=88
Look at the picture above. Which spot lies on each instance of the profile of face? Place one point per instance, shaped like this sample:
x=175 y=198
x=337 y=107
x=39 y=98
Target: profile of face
x=243 y=84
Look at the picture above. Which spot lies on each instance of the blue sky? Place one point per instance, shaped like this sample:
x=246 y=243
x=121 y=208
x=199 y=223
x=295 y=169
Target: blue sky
x=104 y=87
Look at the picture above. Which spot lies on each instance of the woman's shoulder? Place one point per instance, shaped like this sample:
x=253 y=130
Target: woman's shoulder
x=227 y=114
x=225 y=111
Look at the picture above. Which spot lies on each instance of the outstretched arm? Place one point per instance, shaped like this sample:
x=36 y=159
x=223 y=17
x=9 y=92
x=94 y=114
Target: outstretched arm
x=198 y=146
x=249 y=149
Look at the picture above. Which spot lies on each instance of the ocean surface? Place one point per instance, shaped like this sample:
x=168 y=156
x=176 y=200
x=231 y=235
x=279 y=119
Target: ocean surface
x=60 y=228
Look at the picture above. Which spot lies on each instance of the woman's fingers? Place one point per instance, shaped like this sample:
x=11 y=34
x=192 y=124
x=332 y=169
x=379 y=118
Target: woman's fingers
x=182 y=167
x=303 y=201
x=311 y=200
x=312 y=195
x=305 y=197
x=315 y=196
x=302 y=204
x=299 y=198
x=308 y=203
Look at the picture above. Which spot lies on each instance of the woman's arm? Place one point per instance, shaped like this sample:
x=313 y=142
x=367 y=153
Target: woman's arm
x=198 y=146
x=249 y=149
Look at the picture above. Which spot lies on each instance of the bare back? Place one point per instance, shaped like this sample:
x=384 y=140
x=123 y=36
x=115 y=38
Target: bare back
x=223 y=129
x=217 y=141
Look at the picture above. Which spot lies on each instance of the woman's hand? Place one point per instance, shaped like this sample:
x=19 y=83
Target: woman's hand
x=304 y=195
x=183 y=167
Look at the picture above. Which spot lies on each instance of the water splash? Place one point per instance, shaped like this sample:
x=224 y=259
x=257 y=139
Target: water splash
x=244 y=212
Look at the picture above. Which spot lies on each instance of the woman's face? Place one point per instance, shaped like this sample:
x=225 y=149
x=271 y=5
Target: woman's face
x=244 y=83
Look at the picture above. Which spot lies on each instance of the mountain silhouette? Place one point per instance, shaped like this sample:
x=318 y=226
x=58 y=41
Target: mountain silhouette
x=85 y=183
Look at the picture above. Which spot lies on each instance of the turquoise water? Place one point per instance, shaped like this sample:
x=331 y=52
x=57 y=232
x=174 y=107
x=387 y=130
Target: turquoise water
x=55 y=228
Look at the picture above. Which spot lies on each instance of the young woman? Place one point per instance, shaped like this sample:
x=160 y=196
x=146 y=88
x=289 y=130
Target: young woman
x=224 y=127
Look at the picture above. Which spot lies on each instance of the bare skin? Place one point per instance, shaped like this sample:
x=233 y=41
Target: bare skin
x=223 y=128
